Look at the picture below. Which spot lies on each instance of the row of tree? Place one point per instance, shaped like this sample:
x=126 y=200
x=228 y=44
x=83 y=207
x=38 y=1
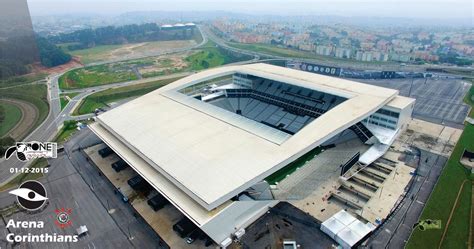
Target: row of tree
x=133 y=33
x=50 y=54
x=18 y=53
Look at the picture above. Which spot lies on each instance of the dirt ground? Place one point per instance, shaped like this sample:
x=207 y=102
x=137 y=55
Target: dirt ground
x=75 y=62
x=137 y=50
x=29 y=115
x=432 y=137
x=166 y=62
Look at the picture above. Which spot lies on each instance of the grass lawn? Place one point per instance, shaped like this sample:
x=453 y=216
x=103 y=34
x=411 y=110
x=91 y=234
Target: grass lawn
x=9 y=117
x=442 y=199
x=21 y=80
x=35 y=94
x=469 y=99
x=211 y=56
x=458 y=232
x=15 y=182
x=96 y=75
x=103 y=98
x=69 y=127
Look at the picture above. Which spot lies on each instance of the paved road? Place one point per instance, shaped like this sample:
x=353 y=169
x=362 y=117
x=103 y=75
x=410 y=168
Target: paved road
x=50 y=126
x=395 y=232
x=44 y=132
x=346 y=64
x=125 y=83
x=73 y=183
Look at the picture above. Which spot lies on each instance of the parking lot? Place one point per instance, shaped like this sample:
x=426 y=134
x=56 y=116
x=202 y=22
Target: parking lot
x=437 y=100
x=66 y=188
x=285 y=222
x=394 y=233
x=162 y=220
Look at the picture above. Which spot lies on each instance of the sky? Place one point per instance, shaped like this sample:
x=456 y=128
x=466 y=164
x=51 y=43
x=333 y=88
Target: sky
x=439 y=9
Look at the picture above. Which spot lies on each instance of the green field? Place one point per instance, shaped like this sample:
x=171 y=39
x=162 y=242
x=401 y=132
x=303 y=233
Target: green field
x=210 y=56
x=91 y=54
x=21 y=80
x=103 y=98
x=96 y=75
x=443 y=197
x=69 y=128
x=36 y=95
x=10 y=115
x=470 y=96
x=206 y=59
x=292 y=167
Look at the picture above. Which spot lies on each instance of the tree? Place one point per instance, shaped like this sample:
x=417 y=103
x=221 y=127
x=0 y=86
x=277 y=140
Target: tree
x=50 y=54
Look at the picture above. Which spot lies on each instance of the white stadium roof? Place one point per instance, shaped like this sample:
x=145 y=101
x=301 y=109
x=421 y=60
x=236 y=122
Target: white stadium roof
x=213 y=157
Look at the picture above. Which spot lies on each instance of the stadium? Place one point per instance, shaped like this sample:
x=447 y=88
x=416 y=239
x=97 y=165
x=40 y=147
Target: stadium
x=208 y=142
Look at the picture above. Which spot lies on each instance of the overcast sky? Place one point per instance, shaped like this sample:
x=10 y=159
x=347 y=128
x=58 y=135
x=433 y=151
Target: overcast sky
x=445 y=9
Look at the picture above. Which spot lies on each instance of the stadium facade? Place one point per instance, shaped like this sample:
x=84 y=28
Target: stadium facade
x=206 y=140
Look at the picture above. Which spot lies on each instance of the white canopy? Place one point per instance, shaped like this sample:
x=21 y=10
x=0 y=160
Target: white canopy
x=345 y=229
x=344 y=217
x=331 y=227
x=347 y=238
x=360 y=228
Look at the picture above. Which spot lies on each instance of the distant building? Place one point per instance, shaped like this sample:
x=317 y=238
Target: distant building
x=343 y=53
x=363 y=56
x=324 y=50
x=379 y=56
x=307 y=47
x=400 y=57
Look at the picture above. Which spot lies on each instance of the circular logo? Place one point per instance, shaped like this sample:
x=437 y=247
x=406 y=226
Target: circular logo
x=31 y=195
x=63 y=217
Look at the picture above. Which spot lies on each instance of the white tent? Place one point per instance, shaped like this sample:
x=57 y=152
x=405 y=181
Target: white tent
x=360 y=228
x=345 y=229
x=347 y=238
x=344 y=217
x=331 y=227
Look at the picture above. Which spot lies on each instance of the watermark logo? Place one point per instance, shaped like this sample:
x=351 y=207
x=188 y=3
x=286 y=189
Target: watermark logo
x=30 y=150
x=31 y=195
x=428 y=224
x=63 y=217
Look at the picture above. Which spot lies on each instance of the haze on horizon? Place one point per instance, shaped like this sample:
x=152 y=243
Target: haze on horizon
x=426 y=9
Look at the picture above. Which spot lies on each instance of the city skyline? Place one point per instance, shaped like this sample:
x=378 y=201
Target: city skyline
x=421 y=9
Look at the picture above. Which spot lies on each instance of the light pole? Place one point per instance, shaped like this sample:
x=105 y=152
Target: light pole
x=130 y=237
x=411 y=86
